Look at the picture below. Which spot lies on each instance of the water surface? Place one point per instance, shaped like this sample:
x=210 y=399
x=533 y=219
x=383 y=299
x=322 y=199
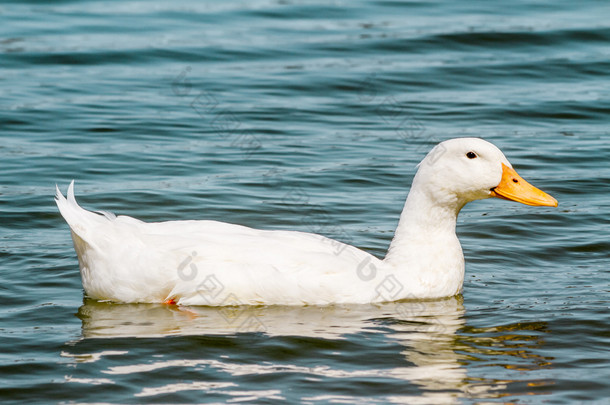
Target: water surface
x=308 y=116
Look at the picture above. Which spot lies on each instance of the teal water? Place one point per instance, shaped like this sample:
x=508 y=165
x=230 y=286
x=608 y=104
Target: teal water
x=308 y=116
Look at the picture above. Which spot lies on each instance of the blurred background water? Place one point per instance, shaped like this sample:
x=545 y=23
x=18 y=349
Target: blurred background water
x=228 y=110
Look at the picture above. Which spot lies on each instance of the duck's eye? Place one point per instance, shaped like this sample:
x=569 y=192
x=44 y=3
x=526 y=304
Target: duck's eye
x=471 y=155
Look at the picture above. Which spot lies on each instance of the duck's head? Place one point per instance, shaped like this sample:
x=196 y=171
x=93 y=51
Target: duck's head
x=467 y=169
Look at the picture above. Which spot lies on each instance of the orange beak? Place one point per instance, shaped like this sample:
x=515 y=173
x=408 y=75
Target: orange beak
x=513 y=187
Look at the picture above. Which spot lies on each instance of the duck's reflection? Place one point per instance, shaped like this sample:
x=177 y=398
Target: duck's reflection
x=438 y=346
x=107 y=320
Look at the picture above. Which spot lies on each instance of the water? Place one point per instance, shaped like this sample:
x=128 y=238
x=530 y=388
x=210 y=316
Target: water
x=307 y=116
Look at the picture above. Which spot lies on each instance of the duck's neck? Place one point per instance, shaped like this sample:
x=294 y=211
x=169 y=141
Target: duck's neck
x=425 y=236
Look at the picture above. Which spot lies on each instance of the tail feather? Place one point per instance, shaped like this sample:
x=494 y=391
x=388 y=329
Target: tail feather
x=71 y=198
x=79 y=219
x=58 y=194
x=62 y=203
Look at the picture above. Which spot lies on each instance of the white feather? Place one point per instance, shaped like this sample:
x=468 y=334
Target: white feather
x=214 y=263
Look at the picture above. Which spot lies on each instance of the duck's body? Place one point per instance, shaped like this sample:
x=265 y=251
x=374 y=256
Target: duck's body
x=214 y=263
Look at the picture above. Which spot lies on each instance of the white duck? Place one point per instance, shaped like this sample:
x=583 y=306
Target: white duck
x=123 y=259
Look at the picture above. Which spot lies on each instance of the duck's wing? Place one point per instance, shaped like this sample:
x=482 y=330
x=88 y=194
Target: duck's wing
x=218 y=263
